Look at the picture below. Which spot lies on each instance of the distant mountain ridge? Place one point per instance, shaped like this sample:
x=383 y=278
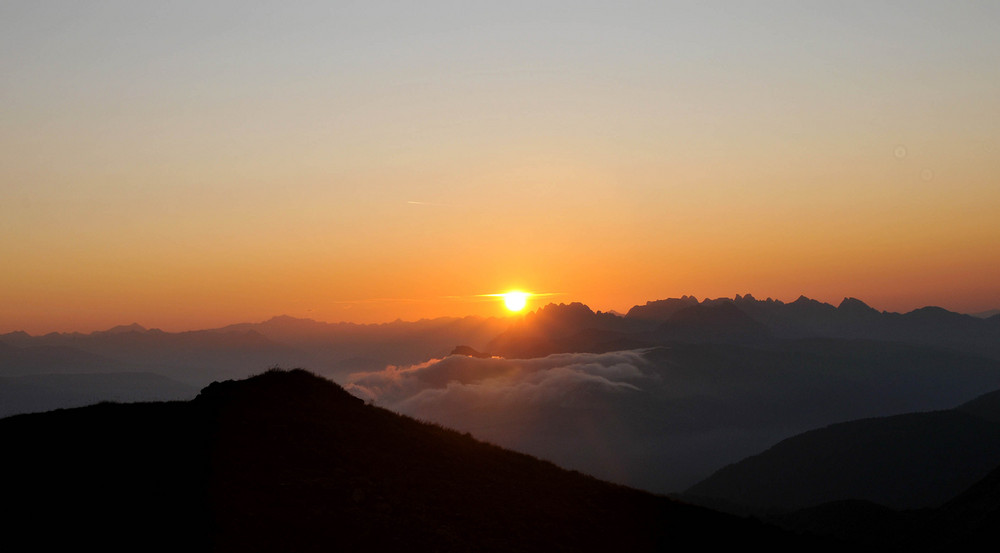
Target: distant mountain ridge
x=337 y=350
x=45 y=392
x=743 y=319
x=853 y=319
x=195 y=358
x=200 y=356
x=554 y=328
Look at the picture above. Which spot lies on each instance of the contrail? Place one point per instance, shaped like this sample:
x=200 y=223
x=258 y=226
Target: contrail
x=480 y=297
x=533 y=294
x=413 y=202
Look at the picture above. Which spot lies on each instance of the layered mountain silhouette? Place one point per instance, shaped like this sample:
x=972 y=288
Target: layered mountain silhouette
x=921 y=481
x=194 y=357
x=53 y=359
x=743 y=319
x=288 y=461
x=964 y=523
x=710 y=381
x=235 y=351
x=43 y=392
x=337 y=349
x=905 y=461
x=659 y=398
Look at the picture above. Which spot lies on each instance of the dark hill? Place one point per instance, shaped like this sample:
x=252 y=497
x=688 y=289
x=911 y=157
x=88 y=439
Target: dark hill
x=287 y=461
x=964 y=523
x=971 y=518
x=905 y=461
x=986 y=406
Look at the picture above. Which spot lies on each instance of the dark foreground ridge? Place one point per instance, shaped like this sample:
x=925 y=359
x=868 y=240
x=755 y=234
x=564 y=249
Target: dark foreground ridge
x=288 y=461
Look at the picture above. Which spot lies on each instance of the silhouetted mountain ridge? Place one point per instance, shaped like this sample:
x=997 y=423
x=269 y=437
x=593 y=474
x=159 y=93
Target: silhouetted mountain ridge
x=660 y=310
x=967 y=522
x=686 y=319
x=201 y=356
x=904 y=462
x=287 y=461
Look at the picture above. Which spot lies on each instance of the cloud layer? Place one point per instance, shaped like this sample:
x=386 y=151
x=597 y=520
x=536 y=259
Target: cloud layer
x=517 y=381
x=661 y=418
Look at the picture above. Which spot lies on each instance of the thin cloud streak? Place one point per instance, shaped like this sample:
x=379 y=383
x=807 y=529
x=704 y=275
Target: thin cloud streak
x=435 y=204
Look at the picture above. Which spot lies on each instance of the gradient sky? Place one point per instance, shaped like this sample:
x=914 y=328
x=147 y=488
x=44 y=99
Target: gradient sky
x=192 y=164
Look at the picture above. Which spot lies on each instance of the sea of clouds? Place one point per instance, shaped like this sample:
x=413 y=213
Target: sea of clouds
x=660 y=418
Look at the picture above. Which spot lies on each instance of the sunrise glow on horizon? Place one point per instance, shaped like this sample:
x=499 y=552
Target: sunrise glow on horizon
x=515 y=301
x=192 y=165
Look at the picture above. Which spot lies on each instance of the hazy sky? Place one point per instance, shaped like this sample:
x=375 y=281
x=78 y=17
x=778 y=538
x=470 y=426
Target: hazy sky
x=188 y=164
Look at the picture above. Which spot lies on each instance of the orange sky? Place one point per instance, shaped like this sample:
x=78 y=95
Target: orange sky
x=187 y=168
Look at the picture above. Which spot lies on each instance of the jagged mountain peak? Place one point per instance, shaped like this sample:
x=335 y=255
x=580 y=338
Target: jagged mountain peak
x=660 y=310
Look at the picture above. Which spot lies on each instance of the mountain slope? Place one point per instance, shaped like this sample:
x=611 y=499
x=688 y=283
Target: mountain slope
x=905 y=461
x=964 y=523
x=288 y=461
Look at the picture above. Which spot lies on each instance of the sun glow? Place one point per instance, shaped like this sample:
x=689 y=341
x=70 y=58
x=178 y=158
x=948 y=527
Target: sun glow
x=515 y=300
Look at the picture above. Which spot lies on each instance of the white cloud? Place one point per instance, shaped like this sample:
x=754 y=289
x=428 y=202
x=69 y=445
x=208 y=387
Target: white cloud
x=509 y=380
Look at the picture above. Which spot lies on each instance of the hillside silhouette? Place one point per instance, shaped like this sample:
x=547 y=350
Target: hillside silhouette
x=967 y=522
x=909 y=461
x=288 y=461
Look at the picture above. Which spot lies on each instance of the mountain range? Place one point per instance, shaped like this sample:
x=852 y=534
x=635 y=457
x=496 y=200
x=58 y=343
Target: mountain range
x=201 y=356
x=836 y=421
x=742 y=319
x=659 y=398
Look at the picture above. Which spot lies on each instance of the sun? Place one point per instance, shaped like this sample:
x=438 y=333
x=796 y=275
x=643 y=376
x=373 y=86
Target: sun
x=515 y=300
